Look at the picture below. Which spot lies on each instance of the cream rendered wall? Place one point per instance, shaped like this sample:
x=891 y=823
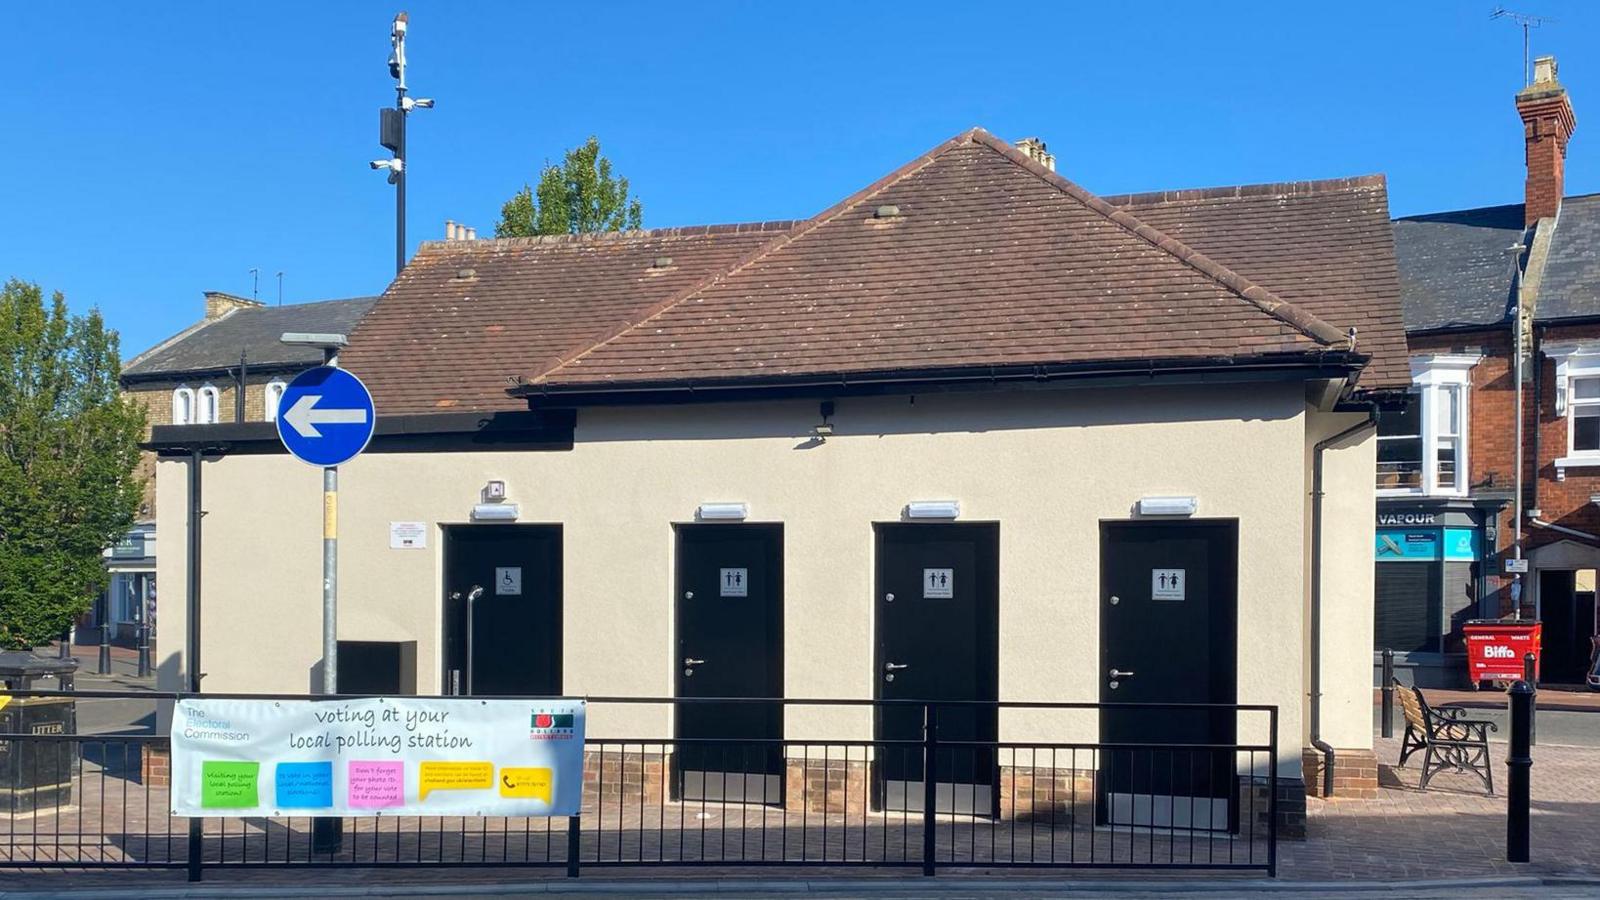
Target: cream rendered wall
x=1349 y=514
x=1047 y=465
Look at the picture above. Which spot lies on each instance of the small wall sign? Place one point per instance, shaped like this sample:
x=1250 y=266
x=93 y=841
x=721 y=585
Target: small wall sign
x=938 y=584
x=408 y=535
x=508 y=581
x=735 y=583
x=1513 y=565
x=1168 y=584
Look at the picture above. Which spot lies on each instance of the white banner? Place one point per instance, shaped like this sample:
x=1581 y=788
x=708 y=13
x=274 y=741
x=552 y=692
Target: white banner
x=414 y=756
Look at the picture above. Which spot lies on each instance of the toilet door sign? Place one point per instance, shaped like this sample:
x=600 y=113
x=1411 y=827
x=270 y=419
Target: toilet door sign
x=735 y=583
x=508 y=581
x=1167 y=584
x=938 y=584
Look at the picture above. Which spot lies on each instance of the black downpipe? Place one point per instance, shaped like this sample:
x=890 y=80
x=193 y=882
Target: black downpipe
x=238 y=394
x=1538 y=395
x=1322 y=746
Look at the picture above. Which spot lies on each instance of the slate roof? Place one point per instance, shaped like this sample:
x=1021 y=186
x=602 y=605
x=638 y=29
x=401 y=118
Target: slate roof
x=1324 y=246
x=1454 y=268
x=215 y=345
x=1571 y=286
x=992 y=260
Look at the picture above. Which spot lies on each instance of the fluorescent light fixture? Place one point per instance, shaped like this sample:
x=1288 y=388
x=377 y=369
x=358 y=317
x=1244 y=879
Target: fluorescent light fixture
x=933 y=509
x=495 y=512
x=324 y=340
x=1168 y=506
x=735 y=512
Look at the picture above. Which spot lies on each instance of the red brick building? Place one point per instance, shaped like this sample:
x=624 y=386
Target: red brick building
x=1475 y=284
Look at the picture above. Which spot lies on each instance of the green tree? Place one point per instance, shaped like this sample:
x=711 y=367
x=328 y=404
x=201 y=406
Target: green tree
x=68 y=448
x=580 y=196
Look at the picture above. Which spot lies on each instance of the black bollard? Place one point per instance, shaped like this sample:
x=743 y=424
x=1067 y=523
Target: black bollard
x=66 y=645
x=104 y=661
x=1531 y=678
x=1388 y=693
x=1518 y=763
x=144 y=650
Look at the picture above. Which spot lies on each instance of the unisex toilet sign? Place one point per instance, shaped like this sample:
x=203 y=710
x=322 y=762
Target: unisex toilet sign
x=325 y=416
x=1167 y=584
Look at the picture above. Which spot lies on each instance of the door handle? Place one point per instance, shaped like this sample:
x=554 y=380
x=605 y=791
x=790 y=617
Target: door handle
x=688 y=661
x=895 y=667
x=1118 y=673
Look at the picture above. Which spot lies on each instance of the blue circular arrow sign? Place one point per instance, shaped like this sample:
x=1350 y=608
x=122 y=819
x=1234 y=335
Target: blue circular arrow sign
x=325 y=416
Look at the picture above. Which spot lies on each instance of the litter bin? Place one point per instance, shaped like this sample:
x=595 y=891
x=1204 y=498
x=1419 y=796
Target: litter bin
x=36 y=773
x=1495 y=649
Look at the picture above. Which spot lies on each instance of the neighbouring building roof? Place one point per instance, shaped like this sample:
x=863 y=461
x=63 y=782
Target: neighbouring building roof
x=1571 y=285
x=214 y=345
x=972 y=255
x=1455 y=267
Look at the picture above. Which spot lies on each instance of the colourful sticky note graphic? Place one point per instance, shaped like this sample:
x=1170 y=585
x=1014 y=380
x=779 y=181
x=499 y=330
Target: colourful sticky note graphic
x=438 y=775
x=303 y=785
x=376 y=785
x=228 y=784
x=537 y=783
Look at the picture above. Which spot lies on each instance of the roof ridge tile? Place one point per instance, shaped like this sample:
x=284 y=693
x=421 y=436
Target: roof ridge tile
x=503 y=243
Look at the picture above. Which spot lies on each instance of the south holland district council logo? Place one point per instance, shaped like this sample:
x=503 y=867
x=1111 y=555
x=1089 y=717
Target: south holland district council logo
x=550 y=726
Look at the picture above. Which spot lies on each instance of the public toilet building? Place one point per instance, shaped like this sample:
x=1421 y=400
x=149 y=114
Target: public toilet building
x=973 y=433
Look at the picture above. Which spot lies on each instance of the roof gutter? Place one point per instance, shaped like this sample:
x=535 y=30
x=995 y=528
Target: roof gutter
x=1333 y=364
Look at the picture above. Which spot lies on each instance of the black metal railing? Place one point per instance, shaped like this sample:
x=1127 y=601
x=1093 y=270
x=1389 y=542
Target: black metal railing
x=940 y=799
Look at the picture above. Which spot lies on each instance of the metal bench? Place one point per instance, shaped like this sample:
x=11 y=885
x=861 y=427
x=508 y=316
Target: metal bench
x=1446 y=737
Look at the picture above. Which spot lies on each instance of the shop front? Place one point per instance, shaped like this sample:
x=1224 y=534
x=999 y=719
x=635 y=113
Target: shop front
x=1431 y=579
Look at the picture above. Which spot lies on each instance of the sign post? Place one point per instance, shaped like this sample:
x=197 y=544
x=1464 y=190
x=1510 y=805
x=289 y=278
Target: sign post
x=325 y=418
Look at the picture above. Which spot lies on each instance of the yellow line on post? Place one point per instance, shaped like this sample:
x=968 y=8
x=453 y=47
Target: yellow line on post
x=330 y=515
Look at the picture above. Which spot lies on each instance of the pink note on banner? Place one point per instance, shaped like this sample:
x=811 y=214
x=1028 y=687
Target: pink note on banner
x=376 y=785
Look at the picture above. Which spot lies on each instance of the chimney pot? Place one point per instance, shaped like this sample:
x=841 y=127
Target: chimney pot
x=472 y=234
x=1544 y=70
x=1035 y=149
x=449 y=230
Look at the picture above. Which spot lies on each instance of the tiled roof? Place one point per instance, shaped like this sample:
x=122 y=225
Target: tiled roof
x=1571 y=286
x=1324 y=246
x=465 y=317
x=1455 y=270
x=990 y=260
x=215 y=345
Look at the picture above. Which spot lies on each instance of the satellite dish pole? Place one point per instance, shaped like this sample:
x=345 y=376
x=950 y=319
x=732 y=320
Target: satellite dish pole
x=392 y=134
x=1526 y=21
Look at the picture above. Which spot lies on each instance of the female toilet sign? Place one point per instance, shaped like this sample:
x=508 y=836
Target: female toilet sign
x=325 y=416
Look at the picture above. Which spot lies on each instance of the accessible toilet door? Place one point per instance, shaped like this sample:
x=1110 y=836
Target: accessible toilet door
x=1168 y=634
x=936 y=609
x=508 y=640
x=730 y=645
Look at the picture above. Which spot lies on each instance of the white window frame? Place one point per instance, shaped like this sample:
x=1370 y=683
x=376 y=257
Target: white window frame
x=272 y=397
x=183 y=405
x=1434 y=376
x=208 y=405
x=1573 y=359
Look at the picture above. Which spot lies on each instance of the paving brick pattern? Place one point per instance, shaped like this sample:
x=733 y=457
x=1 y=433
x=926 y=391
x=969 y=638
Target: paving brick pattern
x=1452 y=831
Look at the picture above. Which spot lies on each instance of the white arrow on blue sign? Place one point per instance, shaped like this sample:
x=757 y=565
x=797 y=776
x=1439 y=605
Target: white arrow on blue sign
x=325 y=416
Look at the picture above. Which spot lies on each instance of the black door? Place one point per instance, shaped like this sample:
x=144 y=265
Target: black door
x=730 y=644
x=1568 y=616
x=502 y=609
x=936 y=610
x=1168 y=634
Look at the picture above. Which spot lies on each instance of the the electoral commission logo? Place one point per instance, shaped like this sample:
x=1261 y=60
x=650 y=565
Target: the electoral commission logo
x=550 y=726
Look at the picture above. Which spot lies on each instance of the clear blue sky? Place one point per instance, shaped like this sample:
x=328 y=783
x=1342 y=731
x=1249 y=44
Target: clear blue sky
x=151 y=151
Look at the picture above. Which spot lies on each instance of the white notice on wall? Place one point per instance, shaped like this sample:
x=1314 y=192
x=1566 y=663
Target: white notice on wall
x=735 y=583
x=1167 y=584
x=508 y=581
x=408 y=535
x=938 y=584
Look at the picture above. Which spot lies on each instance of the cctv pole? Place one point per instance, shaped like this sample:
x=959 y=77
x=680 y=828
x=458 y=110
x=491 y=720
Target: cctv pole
x=398 y=35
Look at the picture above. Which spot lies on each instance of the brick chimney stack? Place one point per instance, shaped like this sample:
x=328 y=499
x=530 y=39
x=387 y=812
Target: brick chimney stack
x=219 y=304
x=1547 y=123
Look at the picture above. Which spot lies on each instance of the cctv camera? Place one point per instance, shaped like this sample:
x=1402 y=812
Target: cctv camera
x=379 y=164
x=426 y=103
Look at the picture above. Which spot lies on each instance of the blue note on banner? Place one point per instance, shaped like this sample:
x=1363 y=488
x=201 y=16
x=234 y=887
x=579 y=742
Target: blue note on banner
x=304 y=785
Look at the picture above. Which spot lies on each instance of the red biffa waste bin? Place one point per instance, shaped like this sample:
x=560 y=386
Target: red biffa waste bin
x=1495 y=648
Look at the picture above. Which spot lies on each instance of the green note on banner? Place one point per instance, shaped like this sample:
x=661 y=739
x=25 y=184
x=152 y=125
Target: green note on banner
x=229 y=785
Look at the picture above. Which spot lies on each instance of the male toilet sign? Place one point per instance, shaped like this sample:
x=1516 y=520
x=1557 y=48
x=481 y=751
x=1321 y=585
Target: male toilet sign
x=735 y=583
x=1167 y=584
x=938 y=584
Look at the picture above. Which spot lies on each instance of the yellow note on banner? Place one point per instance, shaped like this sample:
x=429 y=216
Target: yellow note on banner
x=4 y=699
x=534 y=782
x=448 y=775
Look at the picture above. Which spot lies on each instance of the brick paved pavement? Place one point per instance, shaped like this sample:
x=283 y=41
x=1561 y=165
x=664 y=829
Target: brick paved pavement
x=1451 y=831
